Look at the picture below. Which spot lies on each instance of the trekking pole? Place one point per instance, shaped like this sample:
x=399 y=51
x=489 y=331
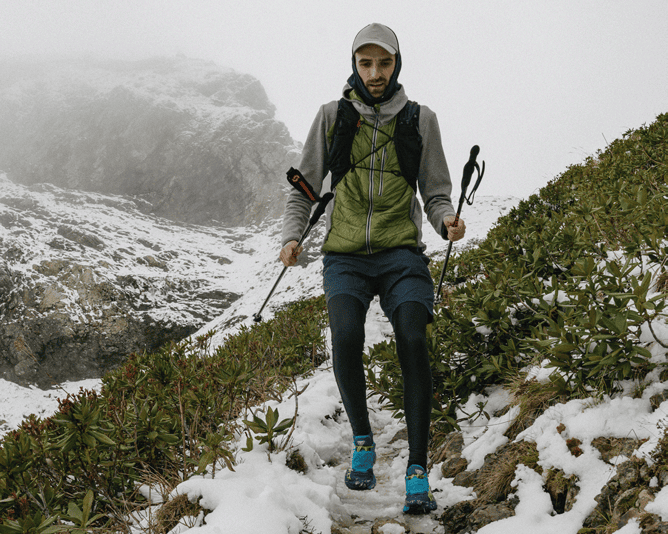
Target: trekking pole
x=298 y=181
x=470 y=165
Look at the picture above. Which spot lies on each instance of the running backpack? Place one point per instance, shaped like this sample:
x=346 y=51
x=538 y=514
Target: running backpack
x=407 y=141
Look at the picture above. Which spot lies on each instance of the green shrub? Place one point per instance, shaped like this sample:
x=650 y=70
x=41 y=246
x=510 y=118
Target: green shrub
x=168 y=414
x=566 y=276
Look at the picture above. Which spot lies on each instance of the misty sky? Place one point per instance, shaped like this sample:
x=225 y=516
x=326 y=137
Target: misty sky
x=538 y=84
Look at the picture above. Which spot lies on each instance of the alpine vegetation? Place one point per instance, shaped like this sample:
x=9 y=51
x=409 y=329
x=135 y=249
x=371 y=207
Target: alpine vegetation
x=159 y=419
x=548 y=351
x=565 y=299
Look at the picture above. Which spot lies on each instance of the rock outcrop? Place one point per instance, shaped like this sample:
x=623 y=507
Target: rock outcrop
x=197 y=142
x=87 y=279
x=109 y=166
x=42 y=342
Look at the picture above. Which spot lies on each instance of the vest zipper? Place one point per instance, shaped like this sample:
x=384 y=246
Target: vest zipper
x=382 y=172
x=372 y=169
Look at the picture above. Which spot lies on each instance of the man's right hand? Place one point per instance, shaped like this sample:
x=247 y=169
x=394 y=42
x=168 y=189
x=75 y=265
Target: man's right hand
x=288 y=253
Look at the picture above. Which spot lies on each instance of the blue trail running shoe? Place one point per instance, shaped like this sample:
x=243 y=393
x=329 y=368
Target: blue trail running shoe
x=360 y=476
x=419 y=499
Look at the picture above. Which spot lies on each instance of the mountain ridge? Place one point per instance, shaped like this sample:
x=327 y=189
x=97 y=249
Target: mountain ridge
x=198 y=142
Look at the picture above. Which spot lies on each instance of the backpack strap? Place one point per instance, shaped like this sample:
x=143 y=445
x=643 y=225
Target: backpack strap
x=347 y=123
x=407 y=141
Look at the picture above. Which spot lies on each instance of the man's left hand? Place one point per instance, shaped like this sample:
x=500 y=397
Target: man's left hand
x=455 y=233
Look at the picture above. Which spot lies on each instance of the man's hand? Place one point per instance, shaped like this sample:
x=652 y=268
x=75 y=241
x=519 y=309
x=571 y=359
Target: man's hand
x=288 y=253
x=455 y=233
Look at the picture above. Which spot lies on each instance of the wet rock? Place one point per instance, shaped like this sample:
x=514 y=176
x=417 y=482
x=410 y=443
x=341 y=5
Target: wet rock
x=489 y=513
x=466 y=479
x=455 y=518
x=470 y=516
x=453 y=466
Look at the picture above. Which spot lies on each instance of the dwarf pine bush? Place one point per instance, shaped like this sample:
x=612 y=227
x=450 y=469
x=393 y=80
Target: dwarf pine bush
x=570 y=278
x=165 y=415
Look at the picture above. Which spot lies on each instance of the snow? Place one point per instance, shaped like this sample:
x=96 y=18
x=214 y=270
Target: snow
x=660 y=504
x=17 y=403
x=263 y=495
x=282 y=495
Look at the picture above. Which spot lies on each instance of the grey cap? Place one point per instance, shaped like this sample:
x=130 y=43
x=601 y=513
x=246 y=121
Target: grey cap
x=377 y=34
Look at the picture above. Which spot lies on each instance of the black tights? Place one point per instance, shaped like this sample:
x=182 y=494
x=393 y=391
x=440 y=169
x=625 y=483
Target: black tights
x=346 y=319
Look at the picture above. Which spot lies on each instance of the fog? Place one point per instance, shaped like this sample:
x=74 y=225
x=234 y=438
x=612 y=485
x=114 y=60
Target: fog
x=538 y=85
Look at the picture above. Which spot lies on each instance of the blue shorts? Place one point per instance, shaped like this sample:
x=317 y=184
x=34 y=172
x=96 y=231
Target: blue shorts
x=396 y=275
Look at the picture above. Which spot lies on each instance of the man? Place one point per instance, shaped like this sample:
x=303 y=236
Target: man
x=380 y=158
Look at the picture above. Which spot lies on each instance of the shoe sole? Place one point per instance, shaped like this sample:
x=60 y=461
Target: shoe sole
x=419 y=504
x=362 y=481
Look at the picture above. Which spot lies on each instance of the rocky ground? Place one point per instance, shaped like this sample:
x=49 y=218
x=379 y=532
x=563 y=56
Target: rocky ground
x=86 y=279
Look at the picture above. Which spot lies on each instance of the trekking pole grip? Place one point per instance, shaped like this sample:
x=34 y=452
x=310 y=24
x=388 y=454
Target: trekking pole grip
x=321 y=208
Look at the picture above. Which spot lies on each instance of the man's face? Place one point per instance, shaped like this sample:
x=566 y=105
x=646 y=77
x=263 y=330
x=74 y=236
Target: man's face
x=375 y=66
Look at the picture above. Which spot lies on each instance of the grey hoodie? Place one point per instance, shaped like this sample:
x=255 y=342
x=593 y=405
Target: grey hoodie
x=434 y=183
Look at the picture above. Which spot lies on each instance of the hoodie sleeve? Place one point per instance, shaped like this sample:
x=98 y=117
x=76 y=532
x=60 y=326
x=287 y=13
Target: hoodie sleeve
x=313 y=166
x=434 y=178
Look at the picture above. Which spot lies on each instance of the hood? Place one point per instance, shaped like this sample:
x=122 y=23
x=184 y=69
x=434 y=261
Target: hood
x=393 y=85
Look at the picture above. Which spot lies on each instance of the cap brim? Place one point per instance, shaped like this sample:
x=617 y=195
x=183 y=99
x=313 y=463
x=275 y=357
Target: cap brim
x=384 y=46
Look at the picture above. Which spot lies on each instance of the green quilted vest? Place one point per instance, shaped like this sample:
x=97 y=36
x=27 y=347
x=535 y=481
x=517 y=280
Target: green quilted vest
x=372 y=202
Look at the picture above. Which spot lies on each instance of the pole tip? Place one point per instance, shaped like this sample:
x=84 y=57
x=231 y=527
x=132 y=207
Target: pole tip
x=257 y=317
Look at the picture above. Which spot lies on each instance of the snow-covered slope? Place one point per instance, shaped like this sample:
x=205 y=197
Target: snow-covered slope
x=263 y=495
x=87 y=278
x=153 y=269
